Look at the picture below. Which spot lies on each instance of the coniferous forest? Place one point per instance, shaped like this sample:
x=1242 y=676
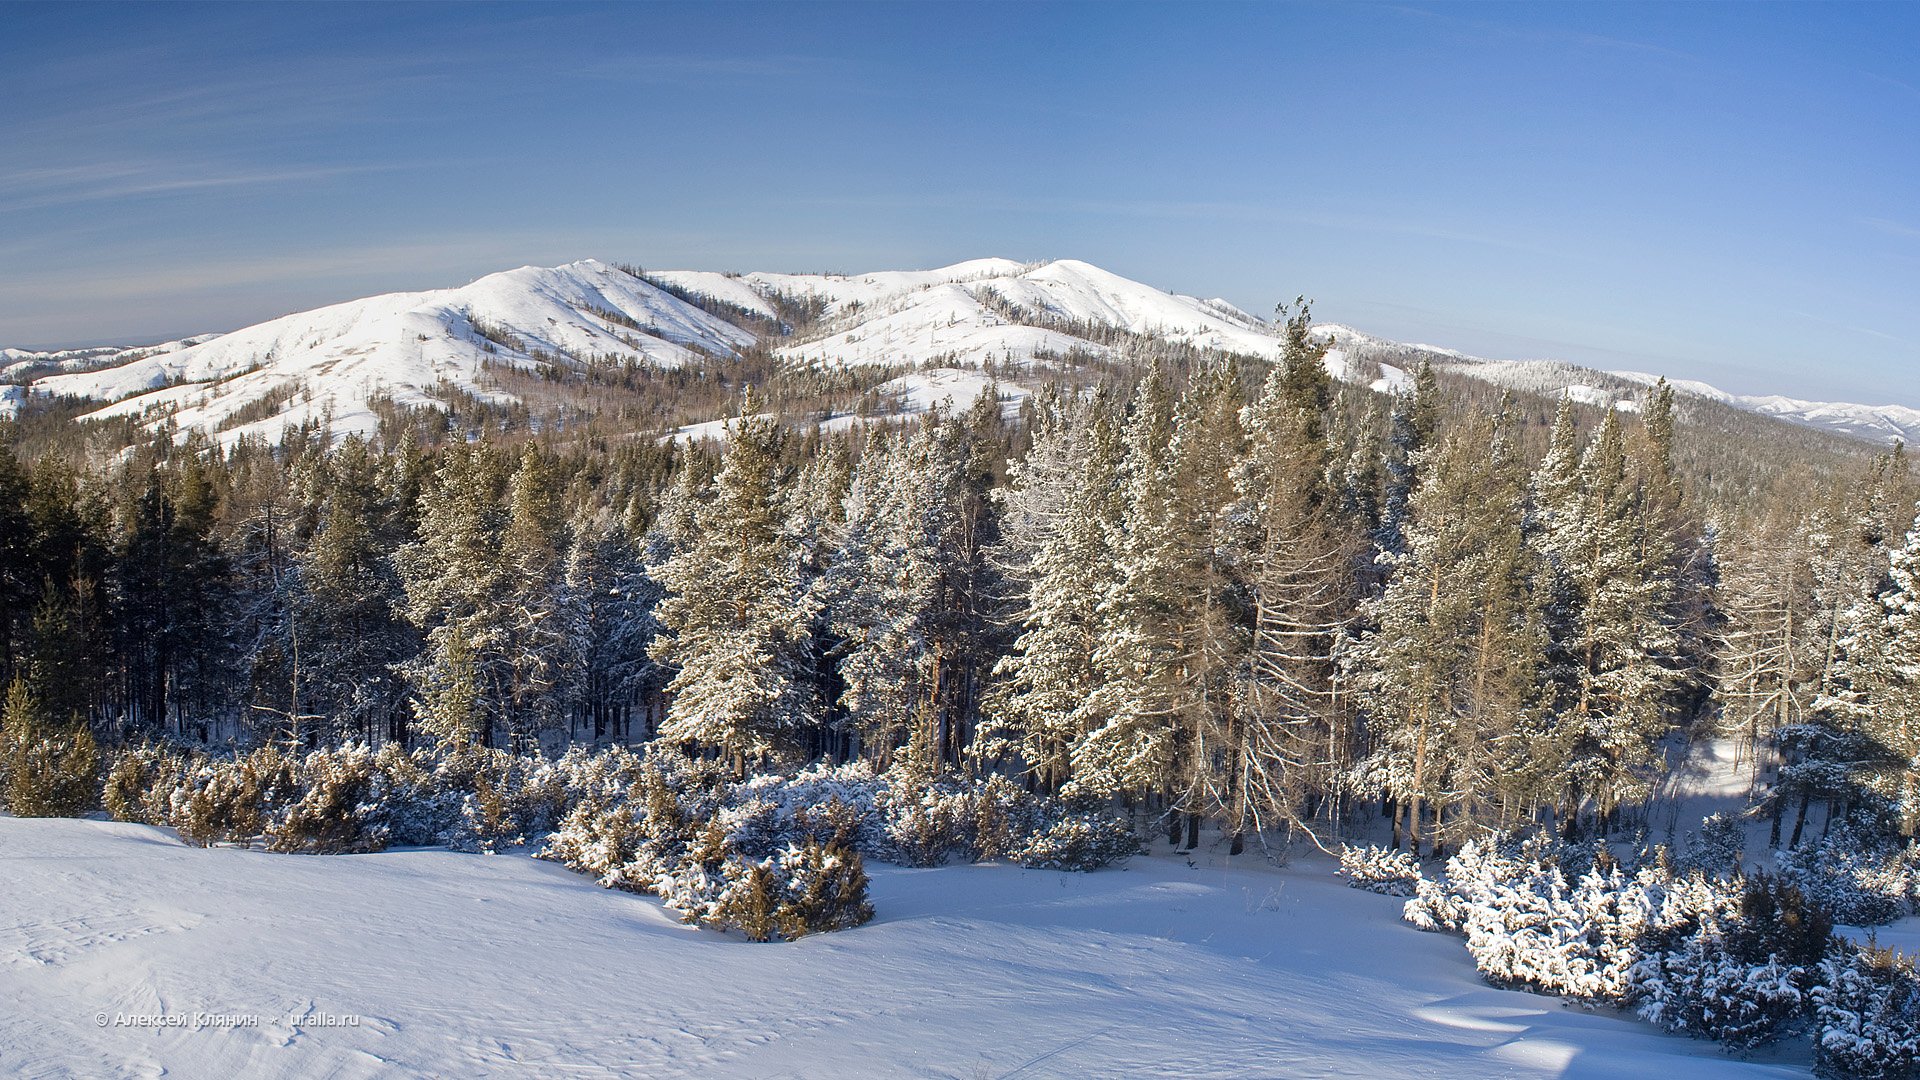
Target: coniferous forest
x=1206 y=601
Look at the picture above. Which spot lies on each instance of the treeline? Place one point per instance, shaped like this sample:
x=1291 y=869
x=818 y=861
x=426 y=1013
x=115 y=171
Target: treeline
x=1228 y=592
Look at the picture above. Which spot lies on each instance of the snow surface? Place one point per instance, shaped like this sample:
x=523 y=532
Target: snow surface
x=404 y=345
x=470 y=965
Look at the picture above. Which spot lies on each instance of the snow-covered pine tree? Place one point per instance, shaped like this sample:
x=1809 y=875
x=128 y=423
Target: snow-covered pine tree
x=1448 y=667
x=1766 y=637
x=1896 y=722
x=612 y=623
x=347 y=609
x=454 y=580
x=1610 y=618
x=877 y=592
x=1213 y=618
x=536 y=612
x=1411 y=427
x=1833 y=753
x=1293 y=735
x=1056 y=555
x=737 y=616
x=1129 y=743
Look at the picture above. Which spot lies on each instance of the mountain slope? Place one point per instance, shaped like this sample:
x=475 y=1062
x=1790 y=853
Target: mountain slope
x=1880 y=423
x=408 y=346
x=1873 y=423
x=985 y=310
x=424 y=348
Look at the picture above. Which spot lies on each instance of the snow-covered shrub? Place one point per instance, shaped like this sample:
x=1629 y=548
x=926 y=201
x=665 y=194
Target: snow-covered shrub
x=768 y=813
x=1376 y=869
x=824 y=888
x=1719 y=848
x=1738 y=973
x=1527 y=926
x=141 y=781
x=232 y=800
x=925 y=824
x=1858 y=875
x=1708 y=991
x=510 y=799
x=803 y=889
x=1531 y=930
x=47 y=768
x=337 y=810
x=415 y=807
x=1441 y=904
x=1866 y=1018
x=1082 y=842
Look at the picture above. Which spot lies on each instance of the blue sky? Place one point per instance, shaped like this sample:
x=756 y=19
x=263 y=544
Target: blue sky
x=1726 y=192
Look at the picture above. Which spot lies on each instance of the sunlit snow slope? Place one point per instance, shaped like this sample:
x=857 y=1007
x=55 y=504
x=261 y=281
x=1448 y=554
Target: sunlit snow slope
x=985 y=310
x=334 y=360
x=413 y=347
x=437 y=964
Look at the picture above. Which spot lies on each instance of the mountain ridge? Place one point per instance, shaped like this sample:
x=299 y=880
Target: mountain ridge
x=418 y=348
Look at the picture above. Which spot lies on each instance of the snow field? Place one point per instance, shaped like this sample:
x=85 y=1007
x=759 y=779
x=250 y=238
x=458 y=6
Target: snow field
x=433 y=963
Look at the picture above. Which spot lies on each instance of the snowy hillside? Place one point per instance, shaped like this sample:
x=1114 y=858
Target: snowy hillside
x=413 y=347
x=126 y=953
x=405 y=345
x=1881 y=423
x=985 y=310
x=1875 y=423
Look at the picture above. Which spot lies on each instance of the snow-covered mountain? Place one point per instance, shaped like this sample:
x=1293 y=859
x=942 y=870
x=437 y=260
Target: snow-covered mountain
x=984 y=310
x=1880 y=423
x=1621 y=389
x=406 y=346
x=415 y=348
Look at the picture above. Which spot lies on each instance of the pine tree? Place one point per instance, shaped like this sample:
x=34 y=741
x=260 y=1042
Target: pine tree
x=19 y=581
x=456 y=583
x=878 y=590
x=1833 y=754
x=1128 y=747
x=1057 y=552
x=49 y=769
x=1897 y=715
x=737 y=615
x=347 y=613
x=613 y=625
x=1412 y=425
x=1292 y=734
x=1448 y=669
x=1623 y=681
x=1214 y=617
x=536 y=614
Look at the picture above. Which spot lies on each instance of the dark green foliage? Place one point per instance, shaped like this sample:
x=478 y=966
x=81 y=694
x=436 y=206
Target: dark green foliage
x=47 y=769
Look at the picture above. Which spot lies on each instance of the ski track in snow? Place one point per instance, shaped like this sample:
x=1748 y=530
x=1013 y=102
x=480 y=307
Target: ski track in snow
x=468 y=965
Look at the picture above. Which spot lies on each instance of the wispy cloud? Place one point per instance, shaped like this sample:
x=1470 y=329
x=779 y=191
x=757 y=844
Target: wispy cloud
x=677 y=69
x=1866 y=331
x=1891 y=227
x=39 y=188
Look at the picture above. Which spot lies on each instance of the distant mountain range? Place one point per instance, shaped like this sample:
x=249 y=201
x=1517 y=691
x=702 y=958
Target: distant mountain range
x=413 y=348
